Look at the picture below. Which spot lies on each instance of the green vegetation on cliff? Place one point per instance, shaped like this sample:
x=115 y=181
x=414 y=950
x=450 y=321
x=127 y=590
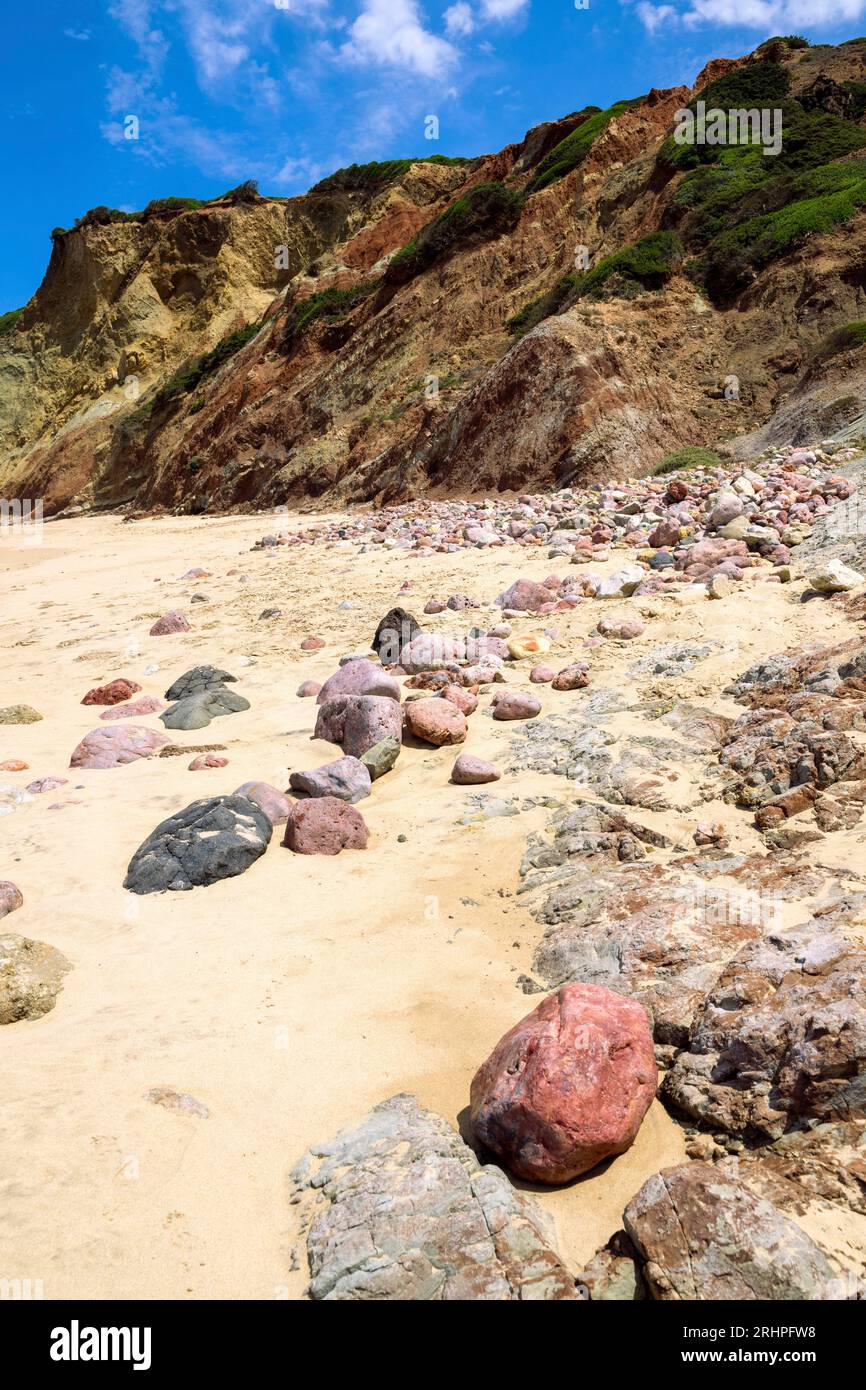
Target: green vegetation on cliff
x=572 y=151
x=482 y=213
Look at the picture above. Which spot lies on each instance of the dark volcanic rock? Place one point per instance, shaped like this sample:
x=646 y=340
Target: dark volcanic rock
x=196 y=711
x=399 y=1208
x=210 y=839
x=394 y=632
x=200 y=678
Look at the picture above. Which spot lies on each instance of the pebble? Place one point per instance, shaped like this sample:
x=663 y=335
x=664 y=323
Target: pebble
x=169 y=623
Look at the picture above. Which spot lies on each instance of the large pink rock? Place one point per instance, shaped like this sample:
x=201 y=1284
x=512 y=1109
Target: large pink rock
x=324 y=825
x=148 y=704
x=359 y=722
x=436 y=721
x=568 y=1086
x=359 y=677
x=114 y=747
x=111 y=694
x=275 y=804
x=524 y=595
x=175 y=621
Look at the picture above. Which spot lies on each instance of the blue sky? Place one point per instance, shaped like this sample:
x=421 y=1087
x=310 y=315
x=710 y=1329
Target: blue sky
x=285 y=91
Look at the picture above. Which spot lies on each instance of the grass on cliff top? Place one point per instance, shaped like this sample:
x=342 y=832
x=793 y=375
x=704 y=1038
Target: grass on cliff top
x=379 y=174
x=572 y=151
x=482 y=213
x=9 y=320
x=692 y=456
x=331 y=305
x=842 y=339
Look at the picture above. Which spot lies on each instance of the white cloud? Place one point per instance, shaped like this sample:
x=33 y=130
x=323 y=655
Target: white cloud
x=459 y=21
x=82 y=35
x=390 y=33
x=768 y=16
x=503 y=9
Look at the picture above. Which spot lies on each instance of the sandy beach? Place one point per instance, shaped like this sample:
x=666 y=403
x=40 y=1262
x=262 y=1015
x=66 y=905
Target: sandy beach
x=290 y=999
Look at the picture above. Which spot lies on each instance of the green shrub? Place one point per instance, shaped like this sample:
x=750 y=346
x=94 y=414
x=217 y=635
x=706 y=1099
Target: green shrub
x=755 y=85
x=546 y=304
x=187 y=378
x=172 y=205
x=692 y=456
x=482 y=213
x=379 y=174
x=648 y=262
x=246 y=192
x=793 y=40
x=849 y=335
x=331 y=305
x=57 y=232
x=572 y=151
x=731 y=257
x=102 y=216
x=9 y=320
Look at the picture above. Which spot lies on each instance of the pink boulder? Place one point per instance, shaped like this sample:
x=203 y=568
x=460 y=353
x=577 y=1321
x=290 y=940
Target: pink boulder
x=175 y=621
x=307 y=688
x=568 y=1086
x=359 y=677
x=436 y=721
x=622 y=629
x=207 y=760
x=469 y=771
x=359 y=722
x=148 y=704
x=524 y=596
x=112 y=694
x=540 y=675
x=10 y=897
x=275 y=805
x=46 y=784
x=324 y=825
x=515 y=704
x=114 y=747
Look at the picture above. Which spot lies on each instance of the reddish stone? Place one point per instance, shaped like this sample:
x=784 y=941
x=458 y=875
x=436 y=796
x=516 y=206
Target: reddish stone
x=112 y=694
x=525 y=596
x=46 y=784
x=307 y=689
x=13 y=765
x=436 y=721
x=515 y=704
x=312 y=644
x=324 y=825
x=572 y=677
x=207 y=760
x=359 y=677
x=469 y=771
x=175 y=621
x=465 y=700
x=664 y=534
x=568 y=1086
x=623 y=629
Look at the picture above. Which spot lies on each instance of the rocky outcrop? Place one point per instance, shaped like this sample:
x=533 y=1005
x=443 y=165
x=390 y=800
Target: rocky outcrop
x=399 y=1208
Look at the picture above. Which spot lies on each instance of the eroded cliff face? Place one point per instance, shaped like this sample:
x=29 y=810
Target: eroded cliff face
x=418 y=383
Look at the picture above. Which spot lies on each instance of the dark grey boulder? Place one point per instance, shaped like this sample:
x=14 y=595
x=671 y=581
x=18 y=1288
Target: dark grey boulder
x=197 y=711
x=396 y=629
x=217 y=837
x=194 y=681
